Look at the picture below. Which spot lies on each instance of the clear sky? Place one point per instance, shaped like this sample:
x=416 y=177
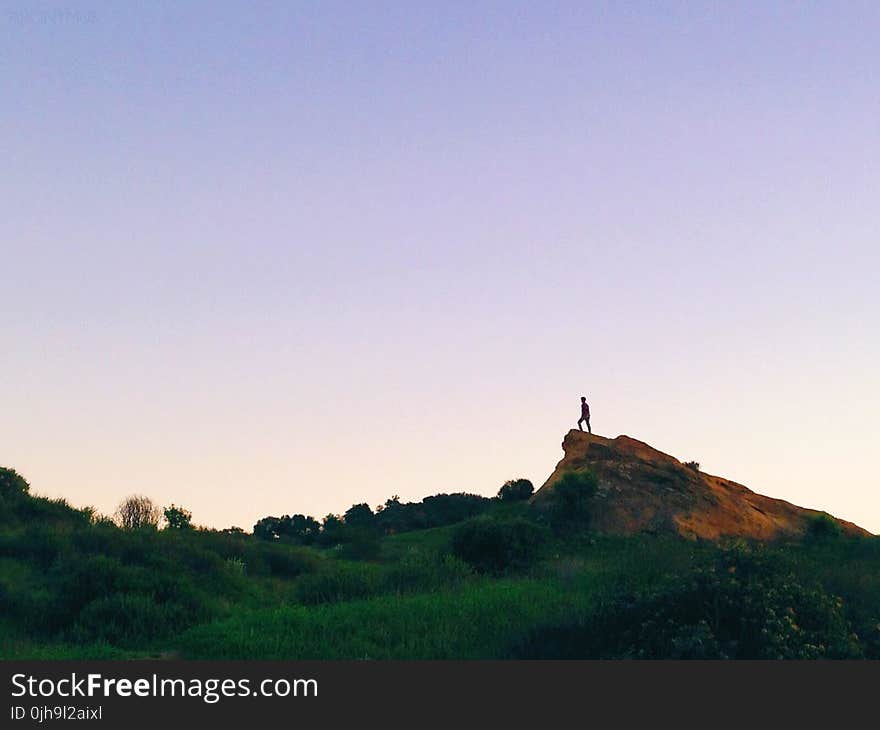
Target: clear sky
x=274 y=257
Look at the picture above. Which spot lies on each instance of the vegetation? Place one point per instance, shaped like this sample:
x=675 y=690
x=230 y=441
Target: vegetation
x=490 y=545
x=178 y=518
x=824 y=527
x=741 y=604
x=570 y=501
x=451 y=576
x=137 y=512
x=515 y=490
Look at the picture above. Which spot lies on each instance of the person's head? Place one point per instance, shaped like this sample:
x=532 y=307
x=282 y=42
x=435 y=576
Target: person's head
x=583 y=399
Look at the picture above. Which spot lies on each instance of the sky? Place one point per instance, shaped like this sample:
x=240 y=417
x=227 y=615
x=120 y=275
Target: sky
x=270 y=258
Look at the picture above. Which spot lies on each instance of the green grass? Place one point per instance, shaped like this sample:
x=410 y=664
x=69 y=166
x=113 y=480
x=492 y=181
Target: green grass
x=14 y=645
x=480 y=619
x=395 y=547
x=476 y=622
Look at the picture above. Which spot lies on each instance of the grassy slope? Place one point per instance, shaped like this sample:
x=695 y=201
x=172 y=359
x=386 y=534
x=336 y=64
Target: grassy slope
x=477 y=620
x=483 y=617
x=297 y=603
x=468 y=623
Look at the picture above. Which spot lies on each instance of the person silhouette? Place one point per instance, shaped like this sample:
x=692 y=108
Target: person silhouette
x=585 y=415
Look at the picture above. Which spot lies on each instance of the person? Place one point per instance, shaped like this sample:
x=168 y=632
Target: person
x=585 y=415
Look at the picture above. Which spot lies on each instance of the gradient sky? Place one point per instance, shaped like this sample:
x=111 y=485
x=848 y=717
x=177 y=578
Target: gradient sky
x=264 y=258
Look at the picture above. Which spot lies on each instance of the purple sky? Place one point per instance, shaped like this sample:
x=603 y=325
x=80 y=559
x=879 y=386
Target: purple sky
x=266 y=258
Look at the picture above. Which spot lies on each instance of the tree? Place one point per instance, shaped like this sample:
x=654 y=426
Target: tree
x=395 y=517
x=331 y=530
x=178 y=518
x=137 y=511
x=299 y=528
x=12 y=483
x=359 y=515
x=515 y=490
x=268 y=528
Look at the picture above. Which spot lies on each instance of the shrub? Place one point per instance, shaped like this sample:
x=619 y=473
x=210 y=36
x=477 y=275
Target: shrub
x=360 y=543
x=570 y=500
x=695 y=465
x=73 y=582
x=44 y=511
x=823 y=527
x=741 y=606
x=38 y=543
x=137 y=512
x=35 y=609
x=288 y=562
x=494 y=546
x=127 y=619
x=515 y=490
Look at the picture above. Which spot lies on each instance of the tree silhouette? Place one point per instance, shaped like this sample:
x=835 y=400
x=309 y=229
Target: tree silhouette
x=12 y=483
x=137 y=511
x=178 y=518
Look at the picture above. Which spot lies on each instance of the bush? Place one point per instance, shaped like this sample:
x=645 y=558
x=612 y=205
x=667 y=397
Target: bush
x=823 y=527
x=570 y=500
x=741 y=606
x=695 y=465
x=24 y=508
x=288 y=562
x=39 y=544
x=127 y=619
x=73 y=581
x=516 y=490
x=360 y=543
x=495 y=546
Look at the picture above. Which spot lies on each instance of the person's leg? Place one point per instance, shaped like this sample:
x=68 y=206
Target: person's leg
x=589 y=430
x=579 y=423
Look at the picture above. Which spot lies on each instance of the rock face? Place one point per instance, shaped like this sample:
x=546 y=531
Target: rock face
x=644 y=490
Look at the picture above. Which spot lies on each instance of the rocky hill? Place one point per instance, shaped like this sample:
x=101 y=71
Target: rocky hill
x=644 y=490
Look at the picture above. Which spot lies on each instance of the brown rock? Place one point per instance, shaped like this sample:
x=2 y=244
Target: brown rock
x=644 y=490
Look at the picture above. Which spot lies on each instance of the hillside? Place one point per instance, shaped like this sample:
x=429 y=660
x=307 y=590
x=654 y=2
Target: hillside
x=644 y=490
x=597 y=566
